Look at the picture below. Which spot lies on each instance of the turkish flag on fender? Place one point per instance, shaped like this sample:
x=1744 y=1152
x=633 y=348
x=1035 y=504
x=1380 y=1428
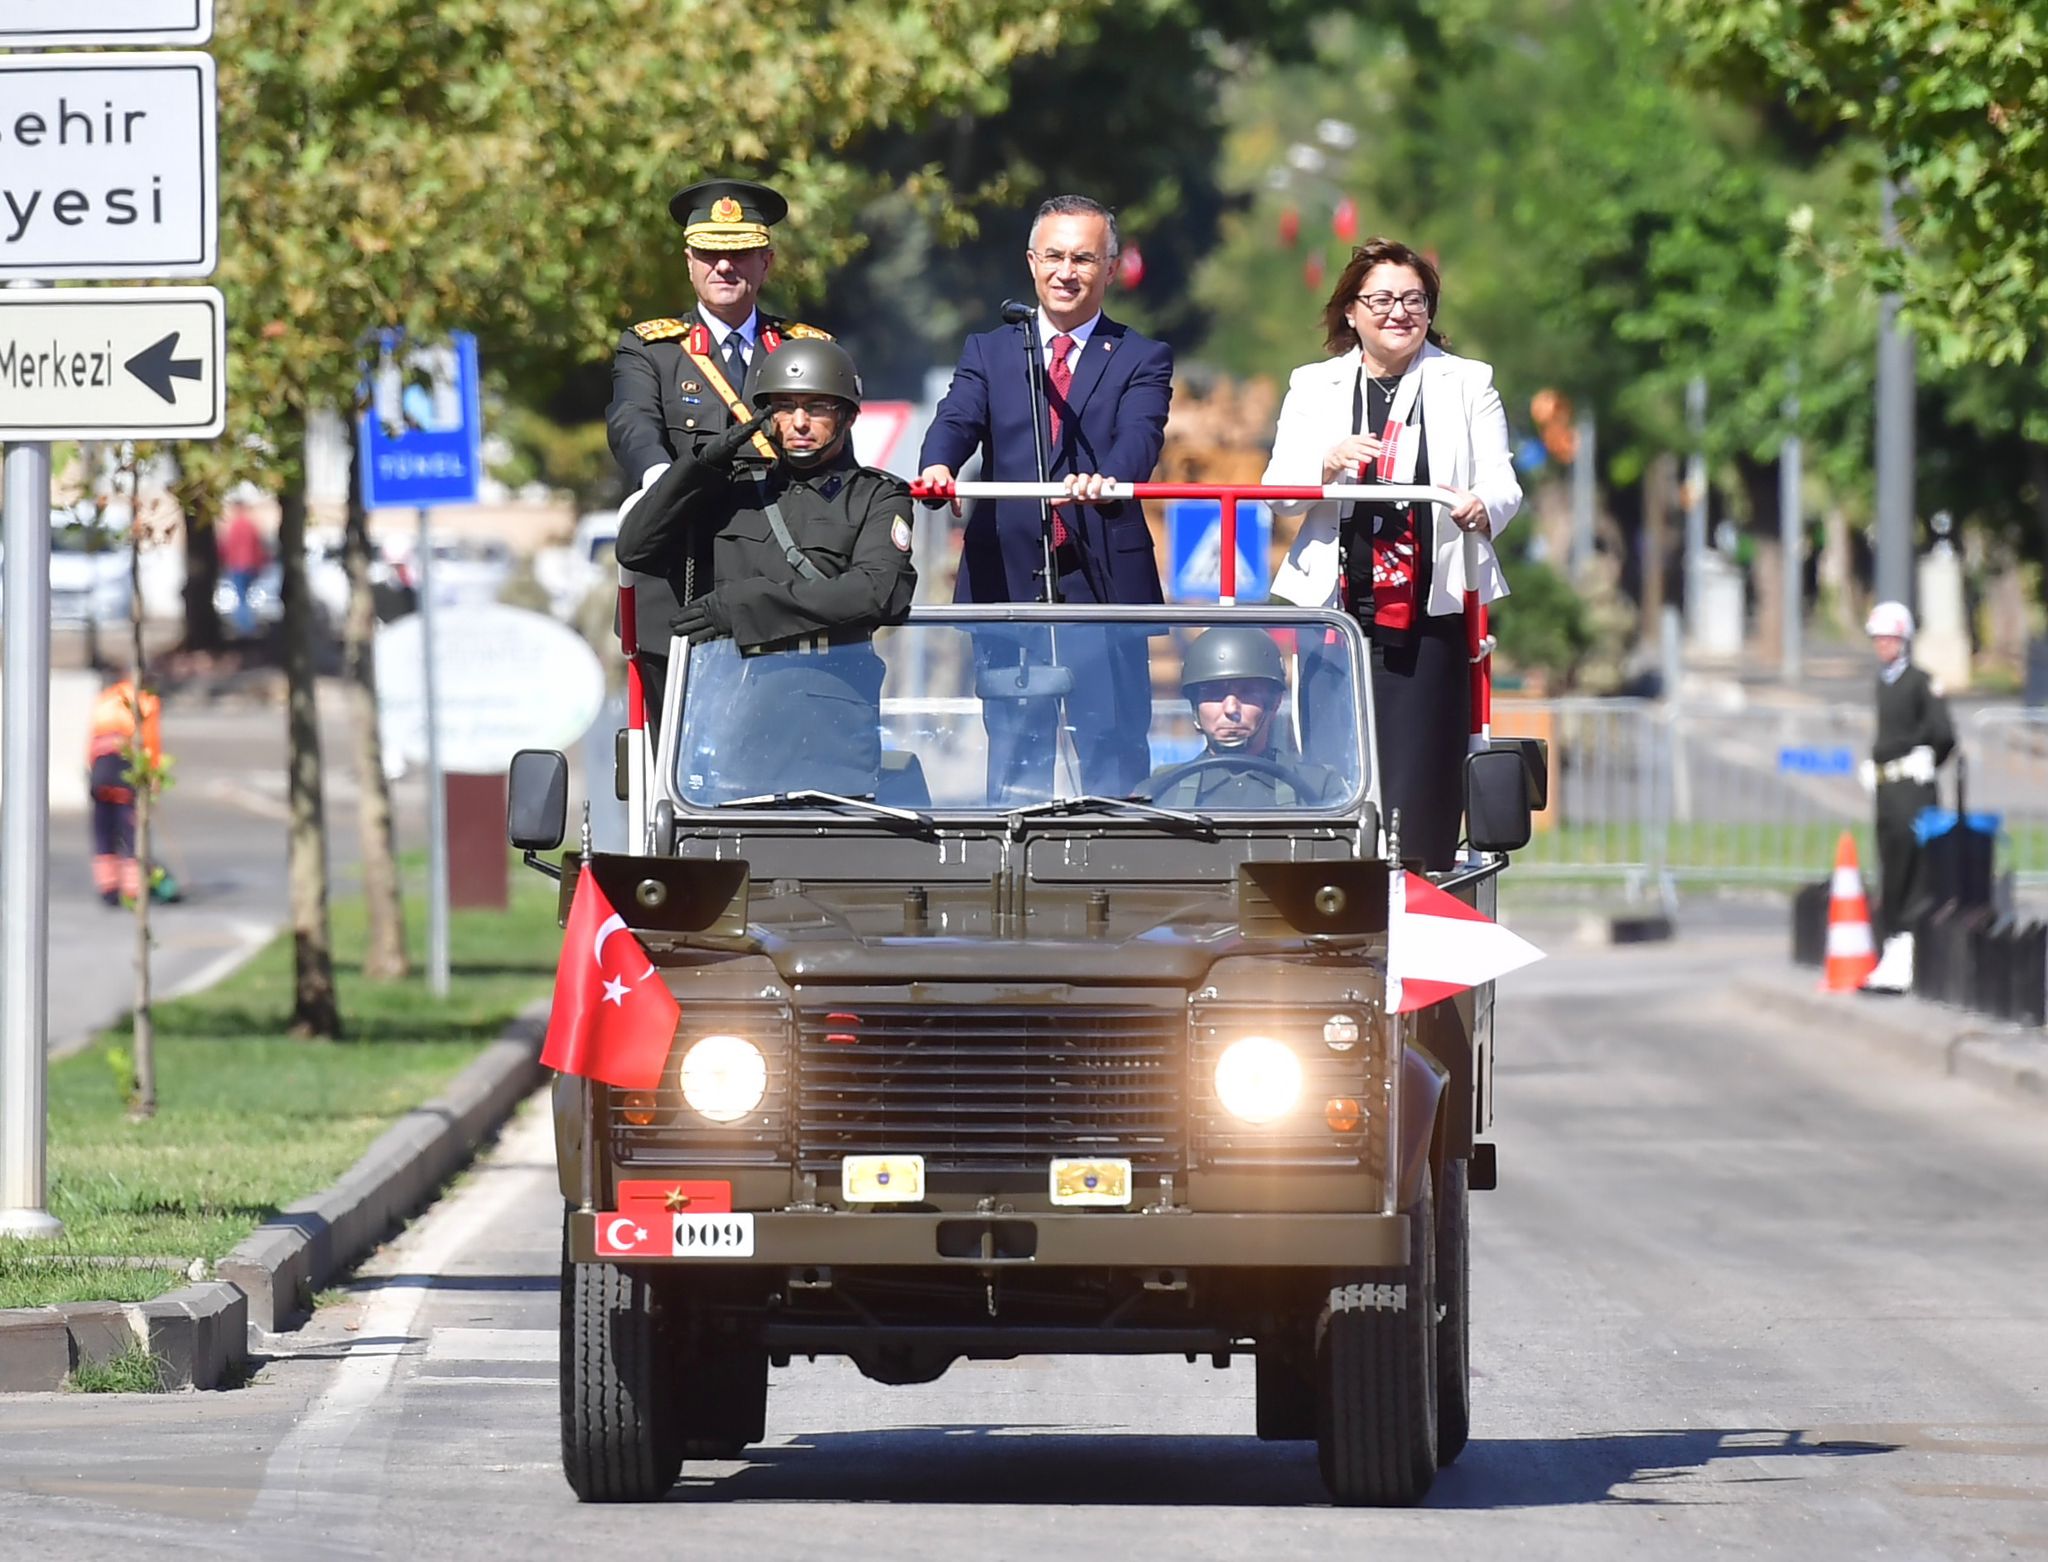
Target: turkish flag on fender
x=613 y=1016
x=1437 y=945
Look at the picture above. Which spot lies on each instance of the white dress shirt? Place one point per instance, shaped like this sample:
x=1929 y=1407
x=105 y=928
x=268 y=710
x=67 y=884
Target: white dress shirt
x=1047 y=331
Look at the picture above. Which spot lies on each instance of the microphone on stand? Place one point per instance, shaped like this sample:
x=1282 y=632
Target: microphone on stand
x=1026 y=315
x=1015 y=313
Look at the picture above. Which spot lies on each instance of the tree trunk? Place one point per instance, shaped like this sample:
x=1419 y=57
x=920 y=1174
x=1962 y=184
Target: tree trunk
x=201 y=502
x=315 y=1011
x=384 y=957
x=1659 y=482
x=143 y=775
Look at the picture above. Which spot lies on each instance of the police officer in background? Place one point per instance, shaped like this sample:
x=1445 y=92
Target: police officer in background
x=677 y=383
x=1914 y=739
x=775 y=536
x=1236 y=683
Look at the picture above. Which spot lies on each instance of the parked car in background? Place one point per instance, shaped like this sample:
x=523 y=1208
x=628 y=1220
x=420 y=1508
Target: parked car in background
x=88 y=571
x=465 y=570
x=570 y=572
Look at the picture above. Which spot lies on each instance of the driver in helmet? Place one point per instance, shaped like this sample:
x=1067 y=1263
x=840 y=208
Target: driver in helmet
x=774 y=536
x=1236 y=683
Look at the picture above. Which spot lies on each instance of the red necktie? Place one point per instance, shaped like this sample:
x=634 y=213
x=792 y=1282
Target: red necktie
x=1062 y=376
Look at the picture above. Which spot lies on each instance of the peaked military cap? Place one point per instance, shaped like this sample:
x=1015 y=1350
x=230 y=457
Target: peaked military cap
x=727 y=214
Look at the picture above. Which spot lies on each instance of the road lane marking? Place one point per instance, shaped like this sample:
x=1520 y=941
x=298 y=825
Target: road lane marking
x=315 y=1474
x=494 y=1345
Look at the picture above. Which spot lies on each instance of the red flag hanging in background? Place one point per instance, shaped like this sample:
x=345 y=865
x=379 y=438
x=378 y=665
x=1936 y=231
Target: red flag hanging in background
x=1437 y=945
x=613 y=1016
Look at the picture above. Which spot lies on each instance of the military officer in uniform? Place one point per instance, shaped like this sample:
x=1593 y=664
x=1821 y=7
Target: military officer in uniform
x=677 y=384
x=802 y=554
x=1236 y=683
x=1914 y=739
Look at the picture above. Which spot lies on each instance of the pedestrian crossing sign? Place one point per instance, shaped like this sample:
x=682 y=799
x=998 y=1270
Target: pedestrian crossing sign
x=1194 y=541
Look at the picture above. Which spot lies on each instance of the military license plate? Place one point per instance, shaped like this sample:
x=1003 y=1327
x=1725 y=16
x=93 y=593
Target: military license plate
x=882 y=1179
x=1091 y=1182
x=718 y=1235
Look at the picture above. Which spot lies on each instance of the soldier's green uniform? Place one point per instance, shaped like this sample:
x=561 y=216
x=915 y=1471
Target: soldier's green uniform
x=802 y=559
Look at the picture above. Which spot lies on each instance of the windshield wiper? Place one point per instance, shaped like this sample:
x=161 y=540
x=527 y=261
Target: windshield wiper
x=1093 y=802
x=813 y=795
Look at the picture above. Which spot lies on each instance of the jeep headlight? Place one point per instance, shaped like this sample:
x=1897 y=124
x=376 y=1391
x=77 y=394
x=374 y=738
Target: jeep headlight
x=724 y=1077
x=1258 y=1079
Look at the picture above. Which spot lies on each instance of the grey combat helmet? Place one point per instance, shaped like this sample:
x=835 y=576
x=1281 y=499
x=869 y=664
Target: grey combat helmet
x=805 y=366
x=1231 y=652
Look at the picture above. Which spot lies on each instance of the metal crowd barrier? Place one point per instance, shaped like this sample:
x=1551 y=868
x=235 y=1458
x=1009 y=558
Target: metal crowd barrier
x=1652 y=794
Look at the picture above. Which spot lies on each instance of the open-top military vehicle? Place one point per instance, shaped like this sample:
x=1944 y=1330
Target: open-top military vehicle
x=1060 y=1073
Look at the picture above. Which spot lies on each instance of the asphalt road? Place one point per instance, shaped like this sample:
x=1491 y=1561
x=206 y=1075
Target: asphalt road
x=1745 y=1290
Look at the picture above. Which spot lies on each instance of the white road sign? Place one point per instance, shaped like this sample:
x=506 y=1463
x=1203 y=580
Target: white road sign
x=43 y=24
x=109 y=165
x=112 y=363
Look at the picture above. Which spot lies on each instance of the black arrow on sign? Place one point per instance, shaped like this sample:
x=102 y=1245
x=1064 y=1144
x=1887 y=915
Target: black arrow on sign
x=156 y=368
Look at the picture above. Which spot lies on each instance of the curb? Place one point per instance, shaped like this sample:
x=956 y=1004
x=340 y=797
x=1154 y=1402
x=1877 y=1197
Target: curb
x=200 y=1334
x=2010 y=1062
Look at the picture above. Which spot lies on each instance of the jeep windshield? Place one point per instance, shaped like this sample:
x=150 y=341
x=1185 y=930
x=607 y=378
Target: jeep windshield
x=1167 y=716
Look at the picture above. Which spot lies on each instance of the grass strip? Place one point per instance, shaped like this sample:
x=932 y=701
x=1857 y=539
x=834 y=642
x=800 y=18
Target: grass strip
x=248 y=1119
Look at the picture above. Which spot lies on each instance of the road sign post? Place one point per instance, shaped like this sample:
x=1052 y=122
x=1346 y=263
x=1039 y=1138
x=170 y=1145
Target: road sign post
x=24 y=860
x=422 y=444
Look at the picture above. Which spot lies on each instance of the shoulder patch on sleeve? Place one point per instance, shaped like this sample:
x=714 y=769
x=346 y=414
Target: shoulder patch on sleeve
x=798 y=328
x=899 y=533
x=662 y=330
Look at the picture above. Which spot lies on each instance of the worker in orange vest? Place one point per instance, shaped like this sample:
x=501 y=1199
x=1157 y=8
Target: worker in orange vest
x=121 y=706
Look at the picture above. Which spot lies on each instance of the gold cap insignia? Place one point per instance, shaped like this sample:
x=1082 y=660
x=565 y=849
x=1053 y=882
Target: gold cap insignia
x=725 y=209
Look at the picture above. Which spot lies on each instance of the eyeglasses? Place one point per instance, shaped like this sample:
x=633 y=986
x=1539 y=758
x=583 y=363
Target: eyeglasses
x=810 y=406
x=1382 y=304
x=1082 y=260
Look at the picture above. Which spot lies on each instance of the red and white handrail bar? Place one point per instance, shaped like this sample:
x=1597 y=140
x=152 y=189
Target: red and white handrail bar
x=1478 y=642
x=636 y=716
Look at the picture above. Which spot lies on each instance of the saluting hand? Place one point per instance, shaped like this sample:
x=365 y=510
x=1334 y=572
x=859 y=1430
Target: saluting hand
x=1347 y=458
x=724 y=450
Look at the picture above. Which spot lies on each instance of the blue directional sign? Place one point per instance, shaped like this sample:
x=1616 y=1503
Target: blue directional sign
x=423 y=431
x=1815 y=761
x=1194 y=545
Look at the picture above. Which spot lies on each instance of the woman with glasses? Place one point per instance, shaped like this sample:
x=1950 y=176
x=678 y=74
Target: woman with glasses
x=1388 y=403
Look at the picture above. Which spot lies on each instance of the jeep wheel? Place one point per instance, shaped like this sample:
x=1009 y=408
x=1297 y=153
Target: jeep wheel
x=618 y=1437
x=1454 y=1318
x=1376 y=1380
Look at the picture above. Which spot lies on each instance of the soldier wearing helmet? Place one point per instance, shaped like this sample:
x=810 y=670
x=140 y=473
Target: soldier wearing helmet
x=1235 y=681
x=775 y=536
x=1915 y=736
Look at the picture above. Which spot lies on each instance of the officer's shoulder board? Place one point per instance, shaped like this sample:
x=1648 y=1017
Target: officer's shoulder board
x=662 y=330
x=797 y=329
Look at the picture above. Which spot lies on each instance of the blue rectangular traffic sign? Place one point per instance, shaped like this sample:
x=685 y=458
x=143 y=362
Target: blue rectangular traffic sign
x=423 y=431
x=1194 y=546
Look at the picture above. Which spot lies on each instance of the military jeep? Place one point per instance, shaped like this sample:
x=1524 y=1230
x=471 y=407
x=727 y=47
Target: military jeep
x=1066 y=1072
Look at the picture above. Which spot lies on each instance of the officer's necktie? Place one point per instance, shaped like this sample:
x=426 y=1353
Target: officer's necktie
x=1062 y=376
x=736 y=359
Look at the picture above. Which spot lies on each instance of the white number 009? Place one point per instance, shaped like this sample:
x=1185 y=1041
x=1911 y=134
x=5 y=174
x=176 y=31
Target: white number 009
x=714 y=1236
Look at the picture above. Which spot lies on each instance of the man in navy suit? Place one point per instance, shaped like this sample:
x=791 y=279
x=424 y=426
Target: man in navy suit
x=1107 y=393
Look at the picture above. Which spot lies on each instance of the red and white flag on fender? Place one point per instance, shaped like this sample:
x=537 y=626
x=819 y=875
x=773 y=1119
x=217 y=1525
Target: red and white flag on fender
x=613 y=1016
x=1437 y=945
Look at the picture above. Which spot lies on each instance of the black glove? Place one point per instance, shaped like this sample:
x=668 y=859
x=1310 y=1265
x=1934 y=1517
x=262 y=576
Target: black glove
x=704 y=619
x=724 y=450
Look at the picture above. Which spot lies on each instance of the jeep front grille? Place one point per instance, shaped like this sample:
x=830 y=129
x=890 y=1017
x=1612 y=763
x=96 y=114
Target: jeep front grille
x=991 y=1088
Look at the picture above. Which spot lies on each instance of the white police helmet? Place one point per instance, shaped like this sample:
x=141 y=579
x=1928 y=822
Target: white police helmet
x=1890 y=618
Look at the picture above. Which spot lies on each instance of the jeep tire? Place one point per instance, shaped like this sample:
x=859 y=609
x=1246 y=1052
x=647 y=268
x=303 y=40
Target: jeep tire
x=1376 y=1380
x=620 y=1441
x=1454 y=1314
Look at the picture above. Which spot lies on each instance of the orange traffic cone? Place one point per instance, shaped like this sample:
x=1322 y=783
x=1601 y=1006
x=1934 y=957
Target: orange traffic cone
x=1852 y=952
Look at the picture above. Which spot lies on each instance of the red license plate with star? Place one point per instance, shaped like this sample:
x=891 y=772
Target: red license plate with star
x=657 y=1201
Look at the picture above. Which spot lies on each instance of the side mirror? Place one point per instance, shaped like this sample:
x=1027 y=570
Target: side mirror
x=1535 y=754
x=537 y=805
x=1023 y=681
x=1497 y=791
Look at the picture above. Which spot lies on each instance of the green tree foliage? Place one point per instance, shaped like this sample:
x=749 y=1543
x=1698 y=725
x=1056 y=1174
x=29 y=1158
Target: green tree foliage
x=1955 y=93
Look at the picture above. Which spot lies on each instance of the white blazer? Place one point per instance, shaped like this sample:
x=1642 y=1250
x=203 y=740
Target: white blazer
x=1464 y=434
